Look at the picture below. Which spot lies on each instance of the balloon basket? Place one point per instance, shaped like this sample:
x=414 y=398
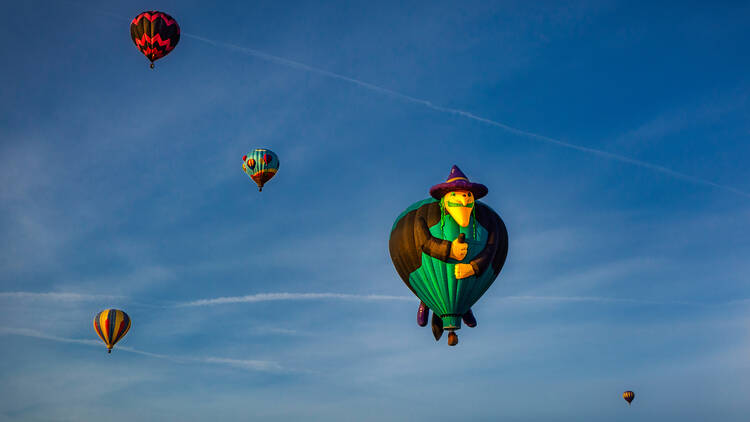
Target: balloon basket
x=452 y=339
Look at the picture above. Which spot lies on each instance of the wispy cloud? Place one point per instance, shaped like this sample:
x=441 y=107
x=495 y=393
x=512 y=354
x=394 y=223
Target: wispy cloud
x=69 y=297
x=463 y=113
x=680 y=120
x=603 y=299
x=248 y=364
x=253 y=365
x=25 y=332
x=56 y=296
x=599 y=299
x=267 y=297
x=276 y=330
x=270 y=297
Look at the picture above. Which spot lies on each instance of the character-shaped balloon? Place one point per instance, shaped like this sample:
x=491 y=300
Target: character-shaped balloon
x=448 y=250
x=261 y=165
x=155 y=34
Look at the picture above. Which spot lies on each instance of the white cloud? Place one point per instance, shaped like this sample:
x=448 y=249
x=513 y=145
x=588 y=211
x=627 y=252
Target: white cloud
x=56 y=296
x=266 y=297
x=248 y=364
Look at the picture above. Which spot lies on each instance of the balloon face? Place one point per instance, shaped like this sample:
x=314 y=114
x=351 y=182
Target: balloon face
x=460 y=205
x=111 y=325
x=260 y=165
x=155 y=34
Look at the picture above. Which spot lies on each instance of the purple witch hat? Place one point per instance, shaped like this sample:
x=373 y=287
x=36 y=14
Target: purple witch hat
x=458 y=181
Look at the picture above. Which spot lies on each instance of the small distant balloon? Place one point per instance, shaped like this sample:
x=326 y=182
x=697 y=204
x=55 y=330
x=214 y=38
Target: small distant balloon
x=260 y=165
x=628 y=396
x=111 y=325
x=155 y=34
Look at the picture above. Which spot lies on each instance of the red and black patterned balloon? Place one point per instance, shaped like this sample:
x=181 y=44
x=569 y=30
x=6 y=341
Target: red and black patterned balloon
x=155 y=34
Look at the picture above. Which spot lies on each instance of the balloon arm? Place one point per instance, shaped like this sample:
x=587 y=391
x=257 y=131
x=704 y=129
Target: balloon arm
x=432 y=246
x=482 y=261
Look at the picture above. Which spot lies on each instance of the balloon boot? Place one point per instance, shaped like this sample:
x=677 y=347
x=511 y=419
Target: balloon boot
x=422 y=313
x=452 y=339
x=469 y=319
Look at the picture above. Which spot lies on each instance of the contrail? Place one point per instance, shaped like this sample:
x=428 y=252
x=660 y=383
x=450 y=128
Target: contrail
x=457 y=112
x=267 y=297
x=248 y=364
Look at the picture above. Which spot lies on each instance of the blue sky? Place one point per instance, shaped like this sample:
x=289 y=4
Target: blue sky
x=614 y=145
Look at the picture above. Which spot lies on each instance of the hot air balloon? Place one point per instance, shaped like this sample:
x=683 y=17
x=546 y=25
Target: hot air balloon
x=261 y=165
x=628 y=396
x=111 y=325
x=448 y=250
x=155 y=34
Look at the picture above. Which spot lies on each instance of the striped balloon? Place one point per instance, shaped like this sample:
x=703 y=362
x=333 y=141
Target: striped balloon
x=111 y=325
x=628 y=396
x=261 y=165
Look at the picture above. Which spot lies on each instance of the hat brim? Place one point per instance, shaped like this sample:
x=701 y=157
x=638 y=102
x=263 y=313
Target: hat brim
x=438 y=191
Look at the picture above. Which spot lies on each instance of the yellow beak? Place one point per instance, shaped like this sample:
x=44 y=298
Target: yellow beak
x=462 y=215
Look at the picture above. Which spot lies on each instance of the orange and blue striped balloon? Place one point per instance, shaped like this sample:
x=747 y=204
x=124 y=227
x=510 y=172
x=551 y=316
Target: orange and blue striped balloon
x=111 y=325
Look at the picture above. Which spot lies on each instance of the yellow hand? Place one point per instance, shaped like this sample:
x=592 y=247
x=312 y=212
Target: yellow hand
x=459 y=249
x=463 y=271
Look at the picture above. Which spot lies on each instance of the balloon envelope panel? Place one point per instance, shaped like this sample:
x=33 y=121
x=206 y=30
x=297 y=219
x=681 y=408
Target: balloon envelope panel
x=436 y=282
